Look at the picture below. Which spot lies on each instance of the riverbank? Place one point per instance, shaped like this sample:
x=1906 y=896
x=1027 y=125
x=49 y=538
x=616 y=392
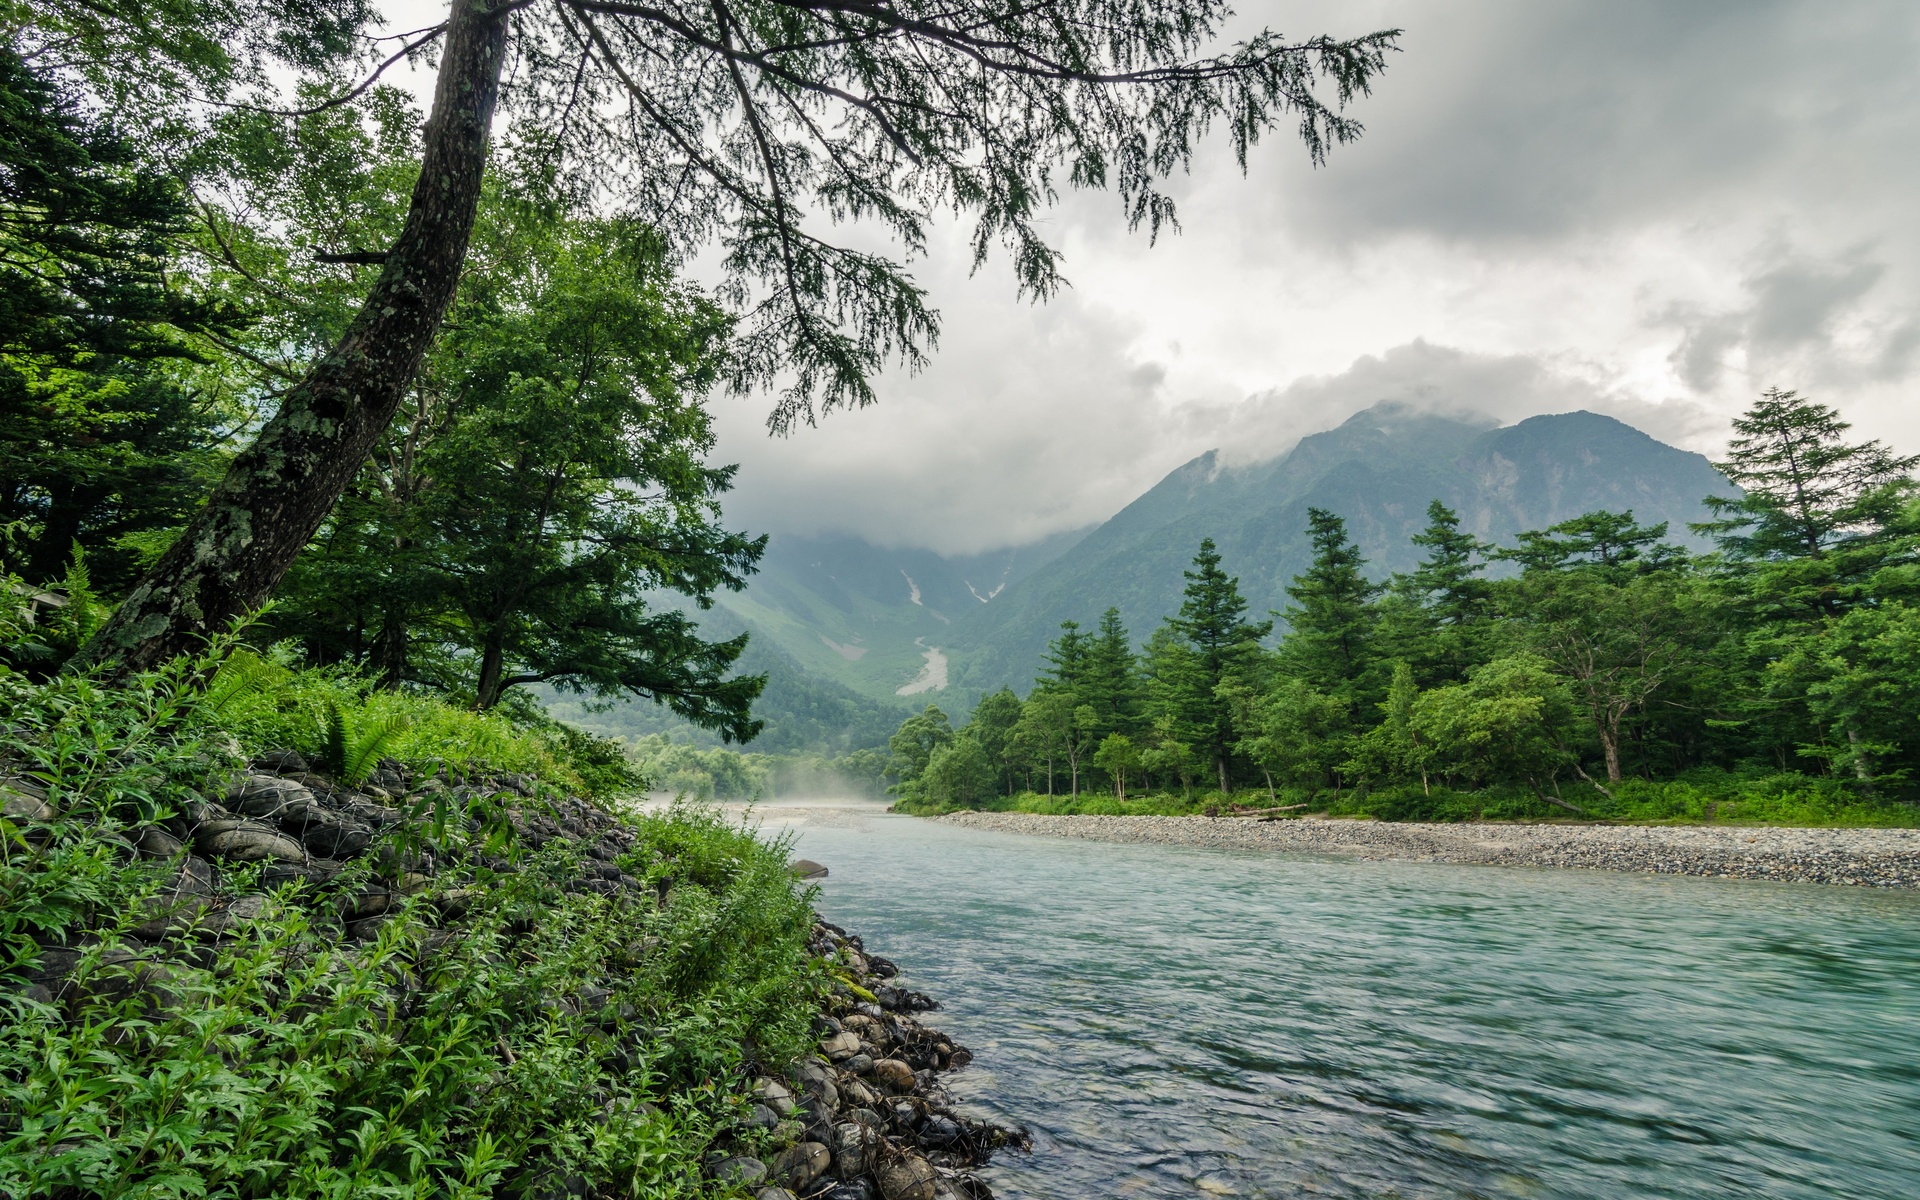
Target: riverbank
x=1858 y=857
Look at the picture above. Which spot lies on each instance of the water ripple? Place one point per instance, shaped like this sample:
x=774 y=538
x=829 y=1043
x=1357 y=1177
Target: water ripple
x=1177 y=1022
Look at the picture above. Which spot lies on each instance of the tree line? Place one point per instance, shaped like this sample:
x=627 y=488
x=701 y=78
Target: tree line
x=1582 y=655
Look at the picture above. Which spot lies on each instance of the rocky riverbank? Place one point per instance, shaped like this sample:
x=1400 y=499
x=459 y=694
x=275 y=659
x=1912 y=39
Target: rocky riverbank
x=1859 y=857
x=866 y=1117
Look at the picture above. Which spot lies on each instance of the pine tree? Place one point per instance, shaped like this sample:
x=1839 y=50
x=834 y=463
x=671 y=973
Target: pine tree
x=1447 y=582
x=1222 y=645
x=1111 y=683
x=1330 y=638
x=1806 y=488
x=1066 y=656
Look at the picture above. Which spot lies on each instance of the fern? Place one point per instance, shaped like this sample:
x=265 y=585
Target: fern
x=354 y=743
x=370 y=742
x=243 y=675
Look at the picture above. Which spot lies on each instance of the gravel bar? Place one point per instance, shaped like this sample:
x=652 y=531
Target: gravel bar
x=1888 y=858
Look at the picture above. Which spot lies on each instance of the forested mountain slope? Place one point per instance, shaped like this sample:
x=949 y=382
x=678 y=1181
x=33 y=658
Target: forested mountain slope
x=1378 y=470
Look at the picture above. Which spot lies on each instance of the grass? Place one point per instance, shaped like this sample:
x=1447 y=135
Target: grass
x=506 y=1033
x=1698 y=798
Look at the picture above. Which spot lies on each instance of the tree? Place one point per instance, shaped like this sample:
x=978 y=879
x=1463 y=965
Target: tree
x=913 y=745
x=1618 y=641
x=1448 y=580
x=958 y=773
x=1053 y=727
x=1219 y=645
x=995 y=720
x=1819 y=515
x=1509 y=721
x=1066 y=659
x=551 y=477
x=1606 y=540
x=1118 y=757
x=1292 y=730
x=1394 y=749
x=1110 y=681
x=727 y=119
x=1330 y=624
x=1166 y=755
x=104 y=439
x=1438 y=617
x=1806 y=489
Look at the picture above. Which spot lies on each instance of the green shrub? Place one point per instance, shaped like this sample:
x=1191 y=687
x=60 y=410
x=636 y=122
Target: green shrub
x=547 y=1035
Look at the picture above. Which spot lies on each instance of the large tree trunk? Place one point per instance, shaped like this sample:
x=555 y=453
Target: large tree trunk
x=279 y=490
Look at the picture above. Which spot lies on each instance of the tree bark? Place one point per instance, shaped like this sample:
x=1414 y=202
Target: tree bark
x=278 y=491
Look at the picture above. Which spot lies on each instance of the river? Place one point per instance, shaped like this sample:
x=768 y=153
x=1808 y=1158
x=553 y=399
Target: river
x=1176 y=1022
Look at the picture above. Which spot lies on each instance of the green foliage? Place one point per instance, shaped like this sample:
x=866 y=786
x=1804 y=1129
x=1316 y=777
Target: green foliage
x=549 y=477
x=561 y=1033
x=1614 y=676
x=1331 y=622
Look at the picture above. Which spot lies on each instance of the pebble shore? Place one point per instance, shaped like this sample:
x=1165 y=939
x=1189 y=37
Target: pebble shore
x=1886 y=858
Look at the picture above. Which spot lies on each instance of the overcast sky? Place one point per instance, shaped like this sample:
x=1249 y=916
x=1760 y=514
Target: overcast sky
x=1653 y=210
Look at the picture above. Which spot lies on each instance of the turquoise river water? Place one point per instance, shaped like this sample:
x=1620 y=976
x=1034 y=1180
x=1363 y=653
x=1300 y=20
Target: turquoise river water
x=1176 y=1022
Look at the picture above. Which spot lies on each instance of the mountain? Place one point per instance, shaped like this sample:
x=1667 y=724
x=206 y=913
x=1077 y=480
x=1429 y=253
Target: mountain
x=851 y=637
x=1379 y=470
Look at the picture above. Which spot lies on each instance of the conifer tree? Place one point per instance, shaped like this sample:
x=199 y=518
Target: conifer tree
x=1111 y=684
x=1222 y=645
x=1448 y=582
x=1330 y=636
x=1066 y=658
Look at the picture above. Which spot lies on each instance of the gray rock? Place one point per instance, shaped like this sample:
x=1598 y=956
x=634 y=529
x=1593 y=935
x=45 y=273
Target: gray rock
x=800 y=1165
x=750 y=1172
x=18 y=804
x=907 y=1178
x=155 y=842
x=939 y=1131
x=840 y=1047
x=330 y=835
x=281 y=762
x=762 y=1117
x=267 y=796
x=252 y=845
x=774 y=1193
x=852 y=1189
x=806 y=868
x=859 y=1064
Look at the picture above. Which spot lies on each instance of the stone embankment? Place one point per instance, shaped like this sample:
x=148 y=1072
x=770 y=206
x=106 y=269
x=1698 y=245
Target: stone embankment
x=866 y=1117
x=1862 y=857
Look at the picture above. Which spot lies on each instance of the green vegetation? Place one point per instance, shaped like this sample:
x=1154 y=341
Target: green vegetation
x=1607 y=674
x=502 y=1029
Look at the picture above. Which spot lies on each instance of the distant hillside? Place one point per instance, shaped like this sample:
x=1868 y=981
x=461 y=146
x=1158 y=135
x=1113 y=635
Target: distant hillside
x=803 y=709
x=1379 y=470
x=867 y=617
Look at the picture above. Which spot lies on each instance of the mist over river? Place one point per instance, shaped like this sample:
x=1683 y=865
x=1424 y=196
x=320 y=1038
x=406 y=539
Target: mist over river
x=1173 y=1022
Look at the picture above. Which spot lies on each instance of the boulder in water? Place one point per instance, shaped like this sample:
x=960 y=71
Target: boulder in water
x=806 y=868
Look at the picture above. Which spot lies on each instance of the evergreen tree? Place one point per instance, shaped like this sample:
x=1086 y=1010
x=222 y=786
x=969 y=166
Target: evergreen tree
x=1448 y=582
x=1110 y=682
x=1806 y=488
x=1331 y=622
x=1820 y=516
x=1608 y=541
x=1221 y=645
x=1066 y=658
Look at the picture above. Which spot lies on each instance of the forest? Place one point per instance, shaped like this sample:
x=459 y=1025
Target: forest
x=1593 y=669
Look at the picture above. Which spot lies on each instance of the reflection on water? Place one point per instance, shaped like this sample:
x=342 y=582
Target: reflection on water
x=1171 y=1021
